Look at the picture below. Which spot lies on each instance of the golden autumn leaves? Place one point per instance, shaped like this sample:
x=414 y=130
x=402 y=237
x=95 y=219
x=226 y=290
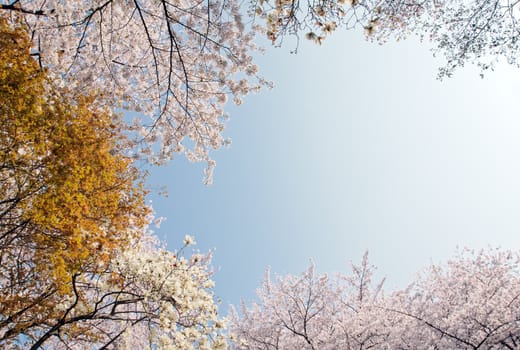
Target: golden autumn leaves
x=69 y=196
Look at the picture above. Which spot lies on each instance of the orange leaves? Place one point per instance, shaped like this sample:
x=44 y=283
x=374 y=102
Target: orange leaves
x=91 y=192
x=68 y=195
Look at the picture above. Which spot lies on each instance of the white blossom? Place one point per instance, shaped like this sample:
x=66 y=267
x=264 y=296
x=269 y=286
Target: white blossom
x=189 y=240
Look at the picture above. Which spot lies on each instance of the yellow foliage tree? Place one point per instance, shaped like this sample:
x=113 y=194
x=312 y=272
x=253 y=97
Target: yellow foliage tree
x=68 y=195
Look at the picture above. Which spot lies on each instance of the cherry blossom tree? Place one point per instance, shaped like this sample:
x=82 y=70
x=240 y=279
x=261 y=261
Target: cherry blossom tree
x=472 y=302
x=311 y=311
x=175 y=62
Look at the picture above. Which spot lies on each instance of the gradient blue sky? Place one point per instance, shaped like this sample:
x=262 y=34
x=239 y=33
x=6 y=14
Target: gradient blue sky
x=358 y=147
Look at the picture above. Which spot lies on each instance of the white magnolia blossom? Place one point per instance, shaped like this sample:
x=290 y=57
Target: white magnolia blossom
x=178 y=289
x=189 y=240
x=147 y=298
x=173 y=61
x=478 y=31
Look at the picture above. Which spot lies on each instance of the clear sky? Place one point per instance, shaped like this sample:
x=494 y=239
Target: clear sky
x=358 y=147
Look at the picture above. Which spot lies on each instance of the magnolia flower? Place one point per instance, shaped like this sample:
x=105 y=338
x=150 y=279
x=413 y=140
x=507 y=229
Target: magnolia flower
x=329 y=27
x=189 y=240
x=310 y=36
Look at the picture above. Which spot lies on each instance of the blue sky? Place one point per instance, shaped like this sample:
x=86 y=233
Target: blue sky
x=358 y=147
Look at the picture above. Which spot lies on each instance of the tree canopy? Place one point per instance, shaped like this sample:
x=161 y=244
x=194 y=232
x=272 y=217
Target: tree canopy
x=79 y=266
